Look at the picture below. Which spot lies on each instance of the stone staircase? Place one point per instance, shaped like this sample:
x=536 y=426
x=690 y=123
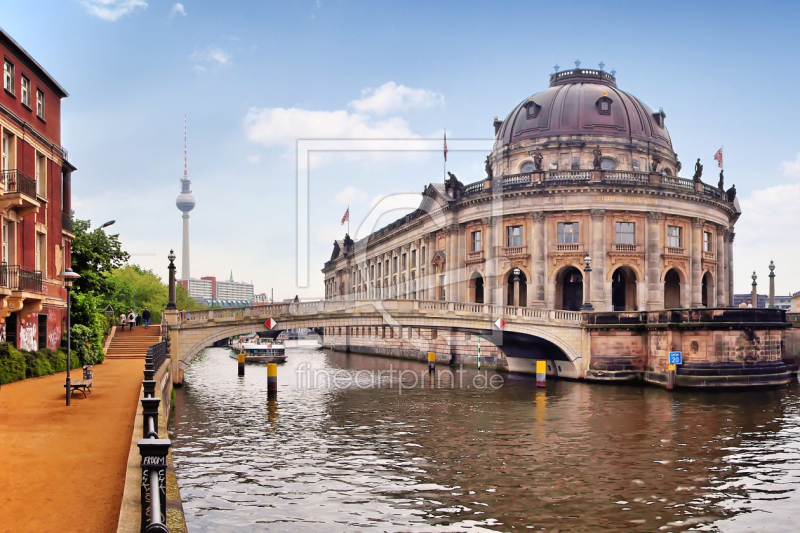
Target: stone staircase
x=133 y=344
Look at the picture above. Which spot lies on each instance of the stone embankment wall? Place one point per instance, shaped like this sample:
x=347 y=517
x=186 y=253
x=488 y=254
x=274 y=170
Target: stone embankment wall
x=415 y=343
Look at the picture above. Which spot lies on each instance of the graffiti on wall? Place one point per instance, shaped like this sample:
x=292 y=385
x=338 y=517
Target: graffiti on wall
x=3 y=332
x=53 y=329
x=27 y=336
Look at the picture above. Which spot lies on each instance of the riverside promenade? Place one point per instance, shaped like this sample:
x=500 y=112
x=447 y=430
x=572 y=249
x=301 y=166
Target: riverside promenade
x=64 y=467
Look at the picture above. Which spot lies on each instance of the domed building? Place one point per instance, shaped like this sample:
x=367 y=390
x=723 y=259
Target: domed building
x=582 y=207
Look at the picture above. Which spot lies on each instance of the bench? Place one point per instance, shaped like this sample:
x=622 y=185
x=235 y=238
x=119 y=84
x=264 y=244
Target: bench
x=82 y=384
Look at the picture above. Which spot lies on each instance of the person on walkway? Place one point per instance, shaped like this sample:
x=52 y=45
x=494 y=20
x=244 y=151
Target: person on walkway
x=131 y=319
x=742 y=304
x=749 y=305
x=138 y=319
x=296 y=299
x=146 y=317
x=122 y=321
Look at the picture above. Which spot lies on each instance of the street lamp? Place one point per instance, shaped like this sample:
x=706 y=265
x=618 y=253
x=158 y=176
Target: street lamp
x=754 y=291
x=771 y=283
x=69 y=276
x=107 y=224
x=516 y=272
x=587 y=272
x=171 y=305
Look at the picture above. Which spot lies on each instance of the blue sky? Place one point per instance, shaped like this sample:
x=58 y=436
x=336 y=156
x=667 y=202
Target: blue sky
x=255 y=76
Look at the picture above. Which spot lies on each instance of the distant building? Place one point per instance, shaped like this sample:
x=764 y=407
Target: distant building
x=262 y=298
x=781 y=302
x=208 y=288
x=795 y=302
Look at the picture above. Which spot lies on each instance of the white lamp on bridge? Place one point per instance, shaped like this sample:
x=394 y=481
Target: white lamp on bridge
x=587 y=292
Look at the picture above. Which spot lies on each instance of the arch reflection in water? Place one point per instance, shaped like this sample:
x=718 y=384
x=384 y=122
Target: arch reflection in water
x=571 y=457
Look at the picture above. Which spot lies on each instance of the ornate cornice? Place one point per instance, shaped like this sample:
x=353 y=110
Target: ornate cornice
x=538 y=216
x=698 y=223
x=598 y=214
x=653 y=217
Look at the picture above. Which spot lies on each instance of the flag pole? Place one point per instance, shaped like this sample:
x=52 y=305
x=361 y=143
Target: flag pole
x=444 y=176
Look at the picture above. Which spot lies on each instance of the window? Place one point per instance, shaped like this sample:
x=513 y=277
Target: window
x=40 y=103
x=394 y=264
x=41 y=175
x=674 y=236
x=5 y=154
x=608 y=163
x=625 y=232
x=527 y=166
x=514 y=236
x=39 y=251
x=8 y=76
x=413 y=258
x=42 y=331
x=576 y=162
x=5 y=242
x=26 y=91
x=403 y=262
x=476 y=241
x=568 y=233
x=706 y=241
x=604 y=104
x=442 y=285
x=422 y=256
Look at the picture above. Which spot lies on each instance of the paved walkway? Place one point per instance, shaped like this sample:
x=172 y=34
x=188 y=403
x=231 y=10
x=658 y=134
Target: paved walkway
x=63 y=468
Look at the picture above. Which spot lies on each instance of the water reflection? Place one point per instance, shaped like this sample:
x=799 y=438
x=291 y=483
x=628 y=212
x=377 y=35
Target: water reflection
x=571 y=457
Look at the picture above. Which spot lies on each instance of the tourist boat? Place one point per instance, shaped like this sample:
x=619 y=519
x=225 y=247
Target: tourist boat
x=300 y=338
x=256 y=349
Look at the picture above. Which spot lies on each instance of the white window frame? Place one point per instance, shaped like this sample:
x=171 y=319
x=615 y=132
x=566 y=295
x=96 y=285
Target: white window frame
x=707 y=239
x=38 y=246
x=477 y=243
x=25 y=90
x=41 y=175
x=679 y=236
x=4 y=224
x=624 y=235
x=40 y=103
x=8 y=76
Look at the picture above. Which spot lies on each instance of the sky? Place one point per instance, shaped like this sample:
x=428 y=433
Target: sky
x=254 y=77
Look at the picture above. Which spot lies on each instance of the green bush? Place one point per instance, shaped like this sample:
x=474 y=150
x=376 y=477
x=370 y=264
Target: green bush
x=87 y=345
x=58 y=360
x=12 y=364
x=36 y=365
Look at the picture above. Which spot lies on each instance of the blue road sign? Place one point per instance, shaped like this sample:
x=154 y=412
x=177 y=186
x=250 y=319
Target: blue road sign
x=675 y=358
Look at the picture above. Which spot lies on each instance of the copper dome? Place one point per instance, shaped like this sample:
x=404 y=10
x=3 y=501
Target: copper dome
x=583 y=102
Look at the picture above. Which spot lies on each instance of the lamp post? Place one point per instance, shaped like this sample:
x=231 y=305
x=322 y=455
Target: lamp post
x=516 y=272
x=754 y=291
x=171 y=305
x=587 y=272
x=69 y=276
x=107 y=224
x=771 y=283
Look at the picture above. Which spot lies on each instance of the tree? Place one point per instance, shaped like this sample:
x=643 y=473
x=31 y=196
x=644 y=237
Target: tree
x=94 y=256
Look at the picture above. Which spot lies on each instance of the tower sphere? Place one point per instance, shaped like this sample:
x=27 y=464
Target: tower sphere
x=185 y=202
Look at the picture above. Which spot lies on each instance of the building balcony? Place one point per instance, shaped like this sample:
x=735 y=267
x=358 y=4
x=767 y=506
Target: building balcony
x=474 y=257
x=627 y=248
x=674 y=250
x=66 y=222
x=570 y=247
x=514 y=251
x=20 y=279
x=19 y=192
x=709 y=256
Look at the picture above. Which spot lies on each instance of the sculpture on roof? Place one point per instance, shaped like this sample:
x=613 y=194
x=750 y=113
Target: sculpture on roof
x=488 y=168
x=537 y=160
x=452 y=184
x=731 y=194
x=655 y=163
x=721 y=184
x=598 y=158
x=698 y=170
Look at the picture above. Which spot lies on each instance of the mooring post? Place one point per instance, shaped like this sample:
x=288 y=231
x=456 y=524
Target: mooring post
x=431 y=362
x=671 y=377
x=272 y=380
x=541 y=373
x=240 y=357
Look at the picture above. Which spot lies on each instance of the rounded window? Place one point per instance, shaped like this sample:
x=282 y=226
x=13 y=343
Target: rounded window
x=527 y=166
x=666 y=171
x=608 y=164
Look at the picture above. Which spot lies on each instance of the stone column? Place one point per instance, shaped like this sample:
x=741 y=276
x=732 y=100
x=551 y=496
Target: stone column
x=655 y=294
x=722 y=272
x=731 y=235
x=597 y=251
x=489 y=255
x=461 y=244
x=452 y=263
x=537 y=259
x=697 y=265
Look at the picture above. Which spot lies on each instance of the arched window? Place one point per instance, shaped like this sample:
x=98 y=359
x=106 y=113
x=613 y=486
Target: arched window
x=604 y=104
x=527 y=166
x=608 y=163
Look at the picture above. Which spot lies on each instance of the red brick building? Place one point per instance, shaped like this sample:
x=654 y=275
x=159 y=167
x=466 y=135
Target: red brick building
x=35 y=202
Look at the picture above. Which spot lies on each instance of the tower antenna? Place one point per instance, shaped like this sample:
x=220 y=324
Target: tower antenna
x=185 y=173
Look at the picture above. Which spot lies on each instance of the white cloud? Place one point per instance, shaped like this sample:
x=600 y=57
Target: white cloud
x=391 y=97
x=112 y=10
x=791 y=169
x=350 y=196
x=253 y=159
x=178 y=9
x=283 y=127
x=213 y=55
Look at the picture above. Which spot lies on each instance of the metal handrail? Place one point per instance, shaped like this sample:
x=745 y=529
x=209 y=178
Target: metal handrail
x=15 y=180
x=66 y=222
x=20 y=278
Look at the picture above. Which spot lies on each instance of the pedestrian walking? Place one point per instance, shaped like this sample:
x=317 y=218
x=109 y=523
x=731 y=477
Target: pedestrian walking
x=138 y=319
x=131 y=319
x=146 y=317
x=122 y=321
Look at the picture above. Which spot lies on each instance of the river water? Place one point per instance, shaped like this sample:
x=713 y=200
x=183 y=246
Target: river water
x=345 y=448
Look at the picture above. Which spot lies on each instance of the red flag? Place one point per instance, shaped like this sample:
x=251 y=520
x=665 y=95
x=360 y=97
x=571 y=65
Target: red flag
x=346 y=217
x=445 y=145
x=718 y=157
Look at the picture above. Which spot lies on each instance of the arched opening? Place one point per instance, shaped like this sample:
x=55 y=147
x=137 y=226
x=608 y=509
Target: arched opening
x=521 y=286
x=708 y=288
x=672 y=289
x=623 y=289
x=476 y=289
x=569 y=289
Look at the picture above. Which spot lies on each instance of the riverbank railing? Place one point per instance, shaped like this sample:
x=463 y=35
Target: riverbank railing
x=153 y=450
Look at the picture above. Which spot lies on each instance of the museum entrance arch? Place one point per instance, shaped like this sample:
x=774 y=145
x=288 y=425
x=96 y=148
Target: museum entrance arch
x=523 y=290
x=476 y=288
x=672 y=289
x=569 y=289
x=623 y=289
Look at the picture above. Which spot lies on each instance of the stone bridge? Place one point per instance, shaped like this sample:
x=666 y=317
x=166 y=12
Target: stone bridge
x=721 y=347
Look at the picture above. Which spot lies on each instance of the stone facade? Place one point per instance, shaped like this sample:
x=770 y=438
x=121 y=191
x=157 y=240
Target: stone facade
x=551 y=200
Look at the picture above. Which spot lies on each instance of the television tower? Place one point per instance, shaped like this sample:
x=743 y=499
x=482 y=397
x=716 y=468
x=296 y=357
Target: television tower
x=185 y=203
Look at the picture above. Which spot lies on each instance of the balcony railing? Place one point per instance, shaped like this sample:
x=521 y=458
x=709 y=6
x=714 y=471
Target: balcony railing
x=710 y=256
x=674 y=250
x=20 y=278
x=475 y=256
x=626 y=247
x=512 y=251
x=572 y=247
x=18 y=181
x=66 y=222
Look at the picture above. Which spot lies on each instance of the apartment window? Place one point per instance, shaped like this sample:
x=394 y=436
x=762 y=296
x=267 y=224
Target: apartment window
x=5 y=155
x=476 y=241
x=394 y=264
x=403 y=262
x=442 y=285
x=26 y=91
x=625 y=232
x=413 y=258
x=674 y=236
x=514 y=236
x=40 y=103
x=39 y=251
x=42 y=331
x=706 y=241
x=41 y=175
x=8 y=76
x=567 y=233
x=5 y=242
